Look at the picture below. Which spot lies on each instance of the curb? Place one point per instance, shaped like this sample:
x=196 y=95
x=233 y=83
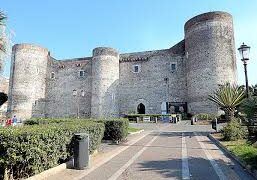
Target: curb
x=247 y=167
x=52 y=171
x=45 y=174
x=55 y=170
x=137 y=132
x=112 y=142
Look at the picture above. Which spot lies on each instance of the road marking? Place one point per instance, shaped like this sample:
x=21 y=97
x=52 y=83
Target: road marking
x=108 y=158
x=211 y=159
x=125 y=166
x=185 y=168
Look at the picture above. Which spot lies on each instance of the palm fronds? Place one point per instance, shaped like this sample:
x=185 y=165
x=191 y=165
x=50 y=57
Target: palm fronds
x=228 y=97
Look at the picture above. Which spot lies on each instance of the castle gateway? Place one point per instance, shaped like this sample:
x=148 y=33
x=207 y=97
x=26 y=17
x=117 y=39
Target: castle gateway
x=110 y=83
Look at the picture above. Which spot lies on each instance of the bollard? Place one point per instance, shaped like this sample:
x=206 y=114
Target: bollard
x=81 y=151
x=192 y=120
x=214 y=124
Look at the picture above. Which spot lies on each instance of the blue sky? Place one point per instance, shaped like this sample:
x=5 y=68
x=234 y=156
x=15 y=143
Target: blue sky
x=74 y=28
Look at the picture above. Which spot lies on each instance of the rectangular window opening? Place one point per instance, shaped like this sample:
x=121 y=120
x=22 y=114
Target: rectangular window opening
x=136 y=68
x=173 y=67
x=82 y=73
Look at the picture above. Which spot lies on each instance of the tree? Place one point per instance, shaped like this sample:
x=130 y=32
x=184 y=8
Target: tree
x=3 y=98
x=5 y=43
x=248 y=106
x=252 y=89
x=228 y=98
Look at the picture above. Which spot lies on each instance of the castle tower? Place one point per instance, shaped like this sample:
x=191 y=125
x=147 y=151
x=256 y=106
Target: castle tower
x=105 y=77
x=27 y=79
x=210 y=53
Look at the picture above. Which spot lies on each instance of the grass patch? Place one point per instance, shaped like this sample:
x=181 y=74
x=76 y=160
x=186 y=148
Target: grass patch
x=244 y=150
x=133 y=129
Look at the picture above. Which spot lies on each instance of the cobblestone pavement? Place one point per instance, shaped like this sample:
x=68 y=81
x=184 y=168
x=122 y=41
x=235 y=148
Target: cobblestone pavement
x=163 y=151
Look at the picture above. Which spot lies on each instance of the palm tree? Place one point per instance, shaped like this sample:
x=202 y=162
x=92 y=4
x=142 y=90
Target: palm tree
x=228 y=97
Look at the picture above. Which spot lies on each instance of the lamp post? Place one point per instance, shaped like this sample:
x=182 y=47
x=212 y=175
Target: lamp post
x=75 y=93
x=244 y=52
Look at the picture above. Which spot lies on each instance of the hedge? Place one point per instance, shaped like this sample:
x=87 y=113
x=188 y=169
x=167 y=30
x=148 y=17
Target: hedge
x=38 y=121
x=32 y=149
x=116 y=129
x=205 y=116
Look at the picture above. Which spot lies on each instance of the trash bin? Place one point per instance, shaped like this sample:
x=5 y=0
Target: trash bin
x=81 y=150
x=214 y=124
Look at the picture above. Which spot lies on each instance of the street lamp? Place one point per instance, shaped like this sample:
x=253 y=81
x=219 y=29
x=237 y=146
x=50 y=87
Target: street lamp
x=75 y=93
x=244 y=52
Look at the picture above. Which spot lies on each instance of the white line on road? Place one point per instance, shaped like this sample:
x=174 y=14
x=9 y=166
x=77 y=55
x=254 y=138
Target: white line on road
x=125 y=166
x=185 y=168
x=211 y=159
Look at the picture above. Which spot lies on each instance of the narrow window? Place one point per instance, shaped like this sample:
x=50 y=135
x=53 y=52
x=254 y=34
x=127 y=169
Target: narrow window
x=81 y=73
x=136 y=68
x=173 y=67
x=52 y=75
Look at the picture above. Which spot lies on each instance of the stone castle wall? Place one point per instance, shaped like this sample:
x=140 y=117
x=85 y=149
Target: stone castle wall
x=27 y=80
x=60 y=99
x=154 y=84
x=210 y=51
x=42 y=86
x=105 y=81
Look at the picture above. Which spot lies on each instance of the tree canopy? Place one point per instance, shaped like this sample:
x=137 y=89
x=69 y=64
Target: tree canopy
x=3 y=98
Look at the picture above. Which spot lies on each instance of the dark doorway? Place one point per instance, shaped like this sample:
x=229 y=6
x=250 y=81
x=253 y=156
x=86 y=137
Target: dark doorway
x=141 y=109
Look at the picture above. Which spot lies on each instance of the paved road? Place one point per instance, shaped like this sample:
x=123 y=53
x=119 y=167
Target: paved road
x=167 y=151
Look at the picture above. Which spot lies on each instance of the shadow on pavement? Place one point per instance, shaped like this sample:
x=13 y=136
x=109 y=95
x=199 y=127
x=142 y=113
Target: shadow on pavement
x=199 y=168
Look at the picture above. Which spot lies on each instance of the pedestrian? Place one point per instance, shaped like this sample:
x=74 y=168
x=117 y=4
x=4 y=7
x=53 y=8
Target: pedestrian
x=8 y=122
x=14 y=120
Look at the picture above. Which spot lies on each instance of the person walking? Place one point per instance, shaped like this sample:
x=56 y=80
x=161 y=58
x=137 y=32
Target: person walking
x=14 y=120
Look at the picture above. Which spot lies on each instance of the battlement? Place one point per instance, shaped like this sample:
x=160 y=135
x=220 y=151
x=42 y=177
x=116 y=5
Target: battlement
x=102 y=51
x=33 y=47
x=210 y=16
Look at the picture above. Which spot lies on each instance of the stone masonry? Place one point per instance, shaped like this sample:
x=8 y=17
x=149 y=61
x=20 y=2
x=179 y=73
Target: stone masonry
x=110 y=84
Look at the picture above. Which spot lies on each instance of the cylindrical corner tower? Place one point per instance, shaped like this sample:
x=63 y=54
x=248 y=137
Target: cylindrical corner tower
x=105 y=81
x=27 y=79
x=210 y=53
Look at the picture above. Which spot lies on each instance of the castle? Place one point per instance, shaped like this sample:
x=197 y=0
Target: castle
x=178 y=79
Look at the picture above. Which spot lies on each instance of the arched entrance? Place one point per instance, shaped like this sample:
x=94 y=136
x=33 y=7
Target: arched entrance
x=141 y=109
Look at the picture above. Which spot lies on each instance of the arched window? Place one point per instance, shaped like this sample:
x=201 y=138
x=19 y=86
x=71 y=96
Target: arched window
x=52 y=75
x=141 y=109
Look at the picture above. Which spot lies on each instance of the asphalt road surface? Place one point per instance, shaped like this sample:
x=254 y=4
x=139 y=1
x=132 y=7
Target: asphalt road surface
x=164 y=153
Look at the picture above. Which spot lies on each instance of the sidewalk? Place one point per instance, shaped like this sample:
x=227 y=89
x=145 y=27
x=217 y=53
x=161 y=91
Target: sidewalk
x=106 y=152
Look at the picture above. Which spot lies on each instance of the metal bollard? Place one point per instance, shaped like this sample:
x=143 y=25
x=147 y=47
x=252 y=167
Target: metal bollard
x=214 y=124
x=192 y=120
x=81 y=151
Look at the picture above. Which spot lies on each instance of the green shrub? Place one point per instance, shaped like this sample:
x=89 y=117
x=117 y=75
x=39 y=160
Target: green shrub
x=248 y=106
x=116 y=129
x=205 y=116
x=32 y=149
x=234 y=131
x=38 y=121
